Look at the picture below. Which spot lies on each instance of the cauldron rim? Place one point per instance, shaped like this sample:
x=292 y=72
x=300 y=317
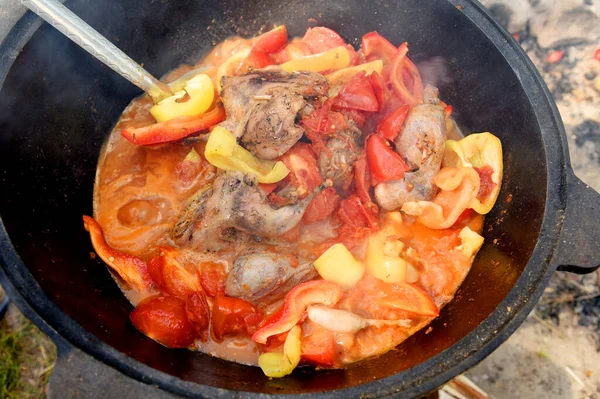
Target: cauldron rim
x=494 y=330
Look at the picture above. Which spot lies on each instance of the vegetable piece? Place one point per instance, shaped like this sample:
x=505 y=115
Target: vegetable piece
x=174 y=129
x=232 y=316
x=195 y=99
x=164 y=319
x=271 y=41
x=296 y=301
x=320 y=39
x=232 y=66
x=391 y=126
x=337 y=264
x=304 y=172
x=478 y=151
x=277 y=364
x=336 y=320
x=376 y=47
x=384 y=163
x=343 y=76
x=212 y=278
x=175 y=280
x=335 y=58
x=470 y=242
x=358 y=94
x=321 y=206
x=409 y=298
x=294 y=49
x=131 y=269
x=458 y=188
x=384 y=263
x=403 y=68
x=198 y=313
x=319 y=347
x=223 y=151
x=362 y=180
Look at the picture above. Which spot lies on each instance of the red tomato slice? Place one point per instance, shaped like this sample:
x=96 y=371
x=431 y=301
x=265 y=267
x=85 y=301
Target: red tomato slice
x=198 y=313
x=171 y=277
x=392 y=124
x=268 y=188
x=321 y=206
x=304 y=172
x=295 y=48
x=384 y=163
x=358 y=94
x=410 y=298
x=164 y=319
x=212 y=278
x=378 y=88
x=233 y=316
x=355 y=213
x=376 y=47
x=271 y=41
x=254 y=60
x=321 y=39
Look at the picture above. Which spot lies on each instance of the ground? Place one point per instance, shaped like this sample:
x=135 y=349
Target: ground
x=556 y=352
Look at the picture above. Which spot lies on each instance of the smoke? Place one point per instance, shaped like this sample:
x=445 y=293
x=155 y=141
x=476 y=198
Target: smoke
x=435 y=71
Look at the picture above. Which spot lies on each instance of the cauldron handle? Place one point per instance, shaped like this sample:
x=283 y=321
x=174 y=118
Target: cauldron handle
x=578 y=248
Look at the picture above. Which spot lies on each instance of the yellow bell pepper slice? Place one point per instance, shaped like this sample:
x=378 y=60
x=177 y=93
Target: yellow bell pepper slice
x=223 y=151
x=335 y=58
x=476 y=151
x=343 y=76
x=338 y=265
x=195 y=99
x=277 y=364
x=470 y=242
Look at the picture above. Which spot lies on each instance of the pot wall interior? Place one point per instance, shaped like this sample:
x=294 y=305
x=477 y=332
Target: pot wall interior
x=58 y=104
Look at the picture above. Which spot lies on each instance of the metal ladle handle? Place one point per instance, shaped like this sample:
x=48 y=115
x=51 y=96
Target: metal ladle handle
x=73 y=27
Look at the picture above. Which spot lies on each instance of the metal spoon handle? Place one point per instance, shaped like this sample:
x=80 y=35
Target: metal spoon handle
x=73 y=27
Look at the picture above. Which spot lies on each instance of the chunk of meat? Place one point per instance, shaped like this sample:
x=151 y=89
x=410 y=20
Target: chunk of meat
x=263 y=108
x=336 y=162
x=239 y=203
x=265 y=277
x=421 y=143
x=192 y=211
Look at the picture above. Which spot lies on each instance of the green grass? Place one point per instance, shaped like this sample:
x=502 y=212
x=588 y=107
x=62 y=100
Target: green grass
x=26 y=357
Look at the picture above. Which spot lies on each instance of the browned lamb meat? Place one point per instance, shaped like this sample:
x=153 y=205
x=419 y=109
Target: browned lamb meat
x=263 y=108
x=337 y=164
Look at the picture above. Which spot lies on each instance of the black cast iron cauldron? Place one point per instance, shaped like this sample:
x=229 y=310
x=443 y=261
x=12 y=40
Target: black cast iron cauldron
x=57 y=105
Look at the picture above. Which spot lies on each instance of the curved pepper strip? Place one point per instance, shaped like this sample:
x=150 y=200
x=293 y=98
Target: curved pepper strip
x=336 y=58
x=294 y=307
x=174 y=129
x=131 y=269
x=458 y=187
x=223 y=151
x=402 y=63
x=277 y=364
x=478 y=150
x=200 y=92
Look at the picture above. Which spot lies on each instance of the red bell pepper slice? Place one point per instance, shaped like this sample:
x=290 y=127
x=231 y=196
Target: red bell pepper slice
x=384 y=163
x=392 y=124
x=164 y=319
x=294 y=306
x=358 y=94
x=198 y=313
x=174 y=129
x=232 y=316
x=321 y=39
x=376 y=47
x=404 y=70
x=131 y=269
x=271 y=41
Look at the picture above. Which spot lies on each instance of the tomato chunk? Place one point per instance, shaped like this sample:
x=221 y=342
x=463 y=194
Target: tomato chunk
x=271 y=41
x=321 y=39
x=212 y=278
x=233 y=316
x=358 y=94
x=304 y=172
x=384 y=163
x=170 y=276
x=321 y=206
x=198 y=313
x=392 y=124
x=318 y=347
x=362 y=180
x=164 y=319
